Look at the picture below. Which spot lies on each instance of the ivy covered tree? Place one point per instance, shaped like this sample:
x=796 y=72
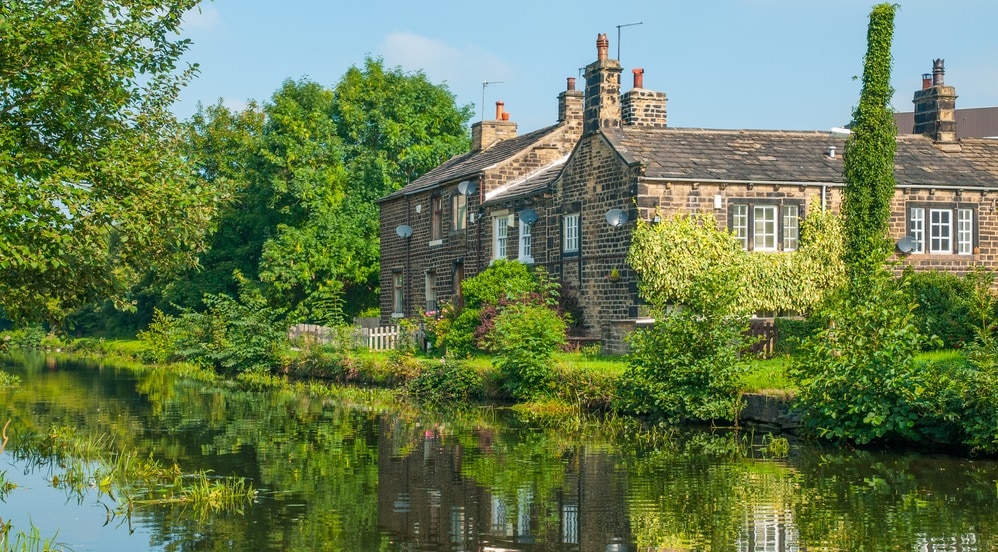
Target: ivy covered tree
x=94 y=186
x=868 y=162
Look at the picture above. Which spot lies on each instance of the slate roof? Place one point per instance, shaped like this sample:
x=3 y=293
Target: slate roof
x=531 y=184
x=788 y=156
x=472 y=163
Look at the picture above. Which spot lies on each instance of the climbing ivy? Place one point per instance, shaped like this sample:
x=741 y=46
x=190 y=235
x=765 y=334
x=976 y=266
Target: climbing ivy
x=868 y=164
x=670 y=259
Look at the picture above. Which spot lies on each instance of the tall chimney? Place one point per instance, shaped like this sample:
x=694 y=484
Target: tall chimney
x=486 y=133
x=602 y=101
x=935 y=109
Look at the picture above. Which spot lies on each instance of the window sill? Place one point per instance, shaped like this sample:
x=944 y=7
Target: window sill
x=526 y=260
x=435 y=243
x=397 y=315
x=570 y=253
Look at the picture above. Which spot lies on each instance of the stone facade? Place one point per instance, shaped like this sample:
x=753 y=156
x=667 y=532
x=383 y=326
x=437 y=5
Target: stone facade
x=613 y=151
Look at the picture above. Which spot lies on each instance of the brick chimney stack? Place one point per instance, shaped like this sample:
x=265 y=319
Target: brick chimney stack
x=640 y=107
x=487 y=133
x=935 y=109
x=602 y=99
x=570 y=104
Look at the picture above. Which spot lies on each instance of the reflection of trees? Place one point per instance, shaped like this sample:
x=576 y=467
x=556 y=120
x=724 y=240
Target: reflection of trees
x=476 y=477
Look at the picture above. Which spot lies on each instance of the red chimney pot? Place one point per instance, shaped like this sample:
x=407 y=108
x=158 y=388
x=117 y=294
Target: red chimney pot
x=499 y=110
x=571 y=84
x=639 y=77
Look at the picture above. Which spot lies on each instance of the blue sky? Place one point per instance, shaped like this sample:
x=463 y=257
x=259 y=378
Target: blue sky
x=755 y=64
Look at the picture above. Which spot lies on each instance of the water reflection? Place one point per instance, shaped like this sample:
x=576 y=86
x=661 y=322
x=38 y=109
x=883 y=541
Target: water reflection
x=340 y=478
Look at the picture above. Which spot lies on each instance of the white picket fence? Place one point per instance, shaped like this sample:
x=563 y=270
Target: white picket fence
x=380 y=338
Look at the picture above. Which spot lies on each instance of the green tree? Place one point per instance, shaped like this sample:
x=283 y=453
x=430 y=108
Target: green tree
x=305 y=170
x=94 y=186
x=868 y=163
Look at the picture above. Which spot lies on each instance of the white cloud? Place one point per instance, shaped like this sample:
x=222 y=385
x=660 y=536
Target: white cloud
x=459 y=67
x=201 y=18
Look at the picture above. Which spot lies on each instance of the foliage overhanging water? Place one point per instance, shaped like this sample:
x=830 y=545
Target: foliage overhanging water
x=338 y=477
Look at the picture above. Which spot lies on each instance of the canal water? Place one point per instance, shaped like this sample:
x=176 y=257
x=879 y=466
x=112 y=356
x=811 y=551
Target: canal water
x=333 y=476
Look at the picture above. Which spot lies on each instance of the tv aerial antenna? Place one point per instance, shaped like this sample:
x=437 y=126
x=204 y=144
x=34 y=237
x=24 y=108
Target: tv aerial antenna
x=618 y=35
x=485 y=84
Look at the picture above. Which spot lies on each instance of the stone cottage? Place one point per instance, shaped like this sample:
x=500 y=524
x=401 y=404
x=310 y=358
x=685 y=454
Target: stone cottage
x=578 y=212
x=435 y=232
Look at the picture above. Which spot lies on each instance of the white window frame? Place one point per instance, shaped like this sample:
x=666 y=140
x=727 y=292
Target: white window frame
x=791 y=227
x=739 y=223
x=525 y=249
x=916 y=220
x=964 y=231
x=940 y=231
x=765 y=229
x=500 y=237
x=570 y=241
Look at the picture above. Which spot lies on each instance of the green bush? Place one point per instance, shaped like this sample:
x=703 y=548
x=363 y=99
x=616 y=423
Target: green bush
x=686 y=367
x=791 y=333
x=524 y=338
x=22 y=338
x=980 y=420
x=857 y=378
x=229 y=336
x=446 y=382
x=503 y=279
x=943 y=307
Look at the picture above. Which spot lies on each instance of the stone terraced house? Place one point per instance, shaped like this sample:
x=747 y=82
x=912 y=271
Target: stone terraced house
x=566 y=197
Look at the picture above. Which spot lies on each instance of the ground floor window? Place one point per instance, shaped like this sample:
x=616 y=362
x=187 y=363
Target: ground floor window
x=766 y=225
x=500 y=235
x=431 y=292
x=942 y=229
x=526 y=255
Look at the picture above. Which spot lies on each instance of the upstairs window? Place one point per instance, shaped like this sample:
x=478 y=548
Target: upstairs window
x=436 y=224
x=570 y=243
x=459 y=212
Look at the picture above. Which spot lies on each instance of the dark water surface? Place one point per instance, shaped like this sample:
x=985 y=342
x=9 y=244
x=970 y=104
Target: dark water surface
x=333 y=477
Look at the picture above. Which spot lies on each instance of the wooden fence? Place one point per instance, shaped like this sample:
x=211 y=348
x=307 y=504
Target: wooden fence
x=764 y=331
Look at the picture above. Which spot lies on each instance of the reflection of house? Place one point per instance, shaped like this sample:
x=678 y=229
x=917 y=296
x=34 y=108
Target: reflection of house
x=425 y=499
x=758 y=184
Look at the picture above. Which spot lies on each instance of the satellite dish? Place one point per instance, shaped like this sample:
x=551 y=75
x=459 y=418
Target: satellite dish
x=907 y=244
x=616 y=217
x=528 y=216
x=467 y=187
x=403 y=230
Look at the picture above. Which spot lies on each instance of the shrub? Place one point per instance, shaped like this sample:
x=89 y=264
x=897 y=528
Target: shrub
x=503 y=279
x=943 y=308
x=981 y=417
x=22 y=338
x=686 y=366
x=792 y=332
x=524 y=338
x=448 y=381
x=229 y=336
x=857 y=379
